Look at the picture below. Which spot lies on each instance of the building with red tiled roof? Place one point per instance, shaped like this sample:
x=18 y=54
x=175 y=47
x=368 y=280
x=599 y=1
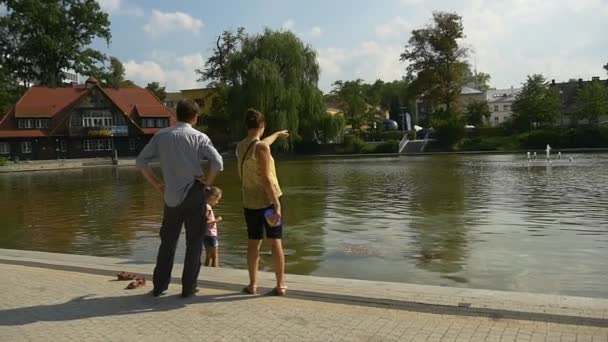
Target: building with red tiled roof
x=81 y=122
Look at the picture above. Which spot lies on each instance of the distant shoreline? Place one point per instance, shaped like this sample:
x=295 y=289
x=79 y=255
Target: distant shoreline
x=49 y=165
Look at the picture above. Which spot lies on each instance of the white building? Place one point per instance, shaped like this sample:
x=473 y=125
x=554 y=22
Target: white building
x=500 y=102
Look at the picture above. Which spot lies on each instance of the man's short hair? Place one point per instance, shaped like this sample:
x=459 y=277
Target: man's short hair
x=186 y=110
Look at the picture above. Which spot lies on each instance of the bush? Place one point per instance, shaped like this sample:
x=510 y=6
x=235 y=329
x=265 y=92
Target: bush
x=353 y=144
x=449 y=131
x=390 y=146
x=3 y=161
x=489 y=144
x=307 y=147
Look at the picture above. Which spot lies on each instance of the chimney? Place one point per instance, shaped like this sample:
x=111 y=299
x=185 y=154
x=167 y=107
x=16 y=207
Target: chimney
x=580 y=82
x=553 y=82
x=595 y=78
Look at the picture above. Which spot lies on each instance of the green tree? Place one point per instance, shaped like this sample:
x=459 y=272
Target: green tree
x=273 y=72
x=477 y=112
x=39 y=39
x=157 y=90
x=331 y=127
x=127 y=84
x=216 y=69
x=477 y=80
x=592 y=102
x=10 y=91
x=537 y=104
x=436 y=61
x=351 y=93
x=116 y=73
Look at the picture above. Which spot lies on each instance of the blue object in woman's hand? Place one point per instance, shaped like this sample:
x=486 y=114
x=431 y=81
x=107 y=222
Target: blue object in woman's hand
x=270 y=216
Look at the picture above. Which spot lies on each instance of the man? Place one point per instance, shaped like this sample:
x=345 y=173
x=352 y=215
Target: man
x=180 y=150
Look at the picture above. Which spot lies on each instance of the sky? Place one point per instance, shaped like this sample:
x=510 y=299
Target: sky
x=166 y=41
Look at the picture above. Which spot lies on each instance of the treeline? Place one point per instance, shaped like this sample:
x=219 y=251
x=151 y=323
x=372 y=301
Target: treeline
x=277 y=73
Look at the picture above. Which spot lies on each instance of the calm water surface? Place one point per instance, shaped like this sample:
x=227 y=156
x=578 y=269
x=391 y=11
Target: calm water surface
x=492 y=222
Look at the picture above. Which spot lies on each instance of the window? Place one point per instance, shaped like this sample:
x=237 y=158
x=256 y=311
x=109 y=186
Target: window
x=63 y=145
x=170 y=104
x=507 y=108
x=26 y=123
x=97 y=145
x=41 y=123
x=5 y=148
x=496 y=108
x=131 y=144
x=162 y=123
x=496 y=119
x=200 y=102
x=26 y=147
x=97 y=119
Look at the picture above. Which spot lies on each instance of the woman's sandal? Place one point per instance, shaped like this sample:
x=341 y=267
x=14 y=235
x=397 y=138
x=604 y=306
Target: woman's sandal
x=126 y=276
x=139 y=282
x=277 y=291
x=252 y=290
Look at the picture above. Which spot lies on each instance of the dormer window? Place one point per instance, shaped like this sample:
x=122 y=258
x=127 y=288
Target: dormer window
x=154 y=122
x=97 y=119
x=33 y=123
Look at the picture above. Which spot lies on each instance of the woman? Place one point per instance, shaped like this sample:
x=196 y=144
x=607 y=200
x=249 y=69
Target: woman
x=261 y=196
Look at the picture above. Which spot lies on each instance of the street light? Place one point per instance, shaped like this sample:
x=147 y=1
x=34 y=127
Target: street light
x=403 y=114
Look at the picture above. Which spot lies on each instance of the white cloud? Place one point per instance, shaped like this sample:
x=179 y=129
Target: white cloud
x=165 y=22
x=316 y=32
x=289 y=24
x=109 y=5
x=396 y=28
x=174 y=72
x=369 y=61
x=120 y=7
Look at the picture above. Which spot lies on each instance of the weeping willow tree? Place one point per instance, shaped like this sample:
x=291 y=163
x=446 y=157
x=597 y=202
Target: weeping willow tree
x=274 y=72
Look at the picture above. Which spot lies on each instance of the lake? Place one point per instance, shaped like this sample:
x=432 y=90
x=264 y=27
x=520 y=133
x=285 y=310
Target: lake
x=488 y=221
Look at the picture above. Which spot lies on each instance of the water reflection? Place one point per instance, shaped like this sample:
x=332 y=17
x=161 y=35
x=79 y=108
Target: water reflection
x=439 y=211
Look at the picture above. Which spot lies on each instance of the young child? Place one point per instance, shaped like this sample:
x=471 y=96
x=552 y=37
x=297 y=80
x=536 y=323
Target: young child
x=214 y=194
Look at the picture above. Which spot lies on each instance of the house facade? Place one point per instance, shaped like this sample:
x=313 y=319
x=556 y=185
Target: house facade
x=500 y=103
x=83 y=121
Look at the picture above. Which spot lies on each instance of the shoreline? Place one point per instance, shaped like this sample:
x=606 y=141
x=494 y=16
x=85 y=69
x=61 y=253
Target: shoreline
x=67 y=164
x=410 y=297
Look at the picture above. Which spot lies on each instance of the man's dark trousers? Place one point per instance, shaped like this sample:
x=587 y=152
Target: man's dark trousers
x=191 y=213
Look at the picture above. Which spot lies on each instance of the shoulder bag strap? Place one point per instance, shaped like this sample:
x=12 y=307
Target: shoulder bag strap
x=245 y=156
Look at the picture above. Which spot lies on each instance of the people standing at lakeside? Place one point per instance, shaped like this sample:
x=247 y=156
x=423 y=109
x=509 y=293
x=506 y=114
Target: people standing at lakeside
x=180 y=150
x=210 y=241
x=261 y=199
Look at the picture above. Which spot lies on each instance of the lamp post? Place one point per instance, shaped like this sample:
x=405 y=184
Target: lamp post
x=57 y=148
x=114 y=152
x=403 y=114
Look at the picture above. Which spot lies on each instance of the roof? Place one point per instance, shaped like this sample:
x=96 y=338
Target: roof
x=54 y=103
x=128 y=99
x=174 y=96
x=151 y=111
x=469 y=91
x=40 y=102
x=8 y=123
x=569 y=90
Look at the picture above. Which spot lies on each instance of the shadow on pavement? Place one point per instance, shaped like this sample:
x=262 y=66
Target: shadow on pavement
x=89 y=307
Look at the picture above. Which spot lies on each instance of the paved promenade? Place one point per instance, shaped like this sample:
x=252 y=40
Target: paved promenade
x=53 y=297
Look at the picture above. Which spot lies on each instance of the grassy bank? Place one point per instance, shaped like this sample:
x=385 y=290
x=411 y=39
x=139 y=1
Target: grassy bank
x=498 y=139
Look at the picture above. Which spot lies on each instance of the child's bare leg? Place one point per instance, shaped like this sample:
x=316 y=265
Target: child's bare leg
x=207 y=257
x=214 y=257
